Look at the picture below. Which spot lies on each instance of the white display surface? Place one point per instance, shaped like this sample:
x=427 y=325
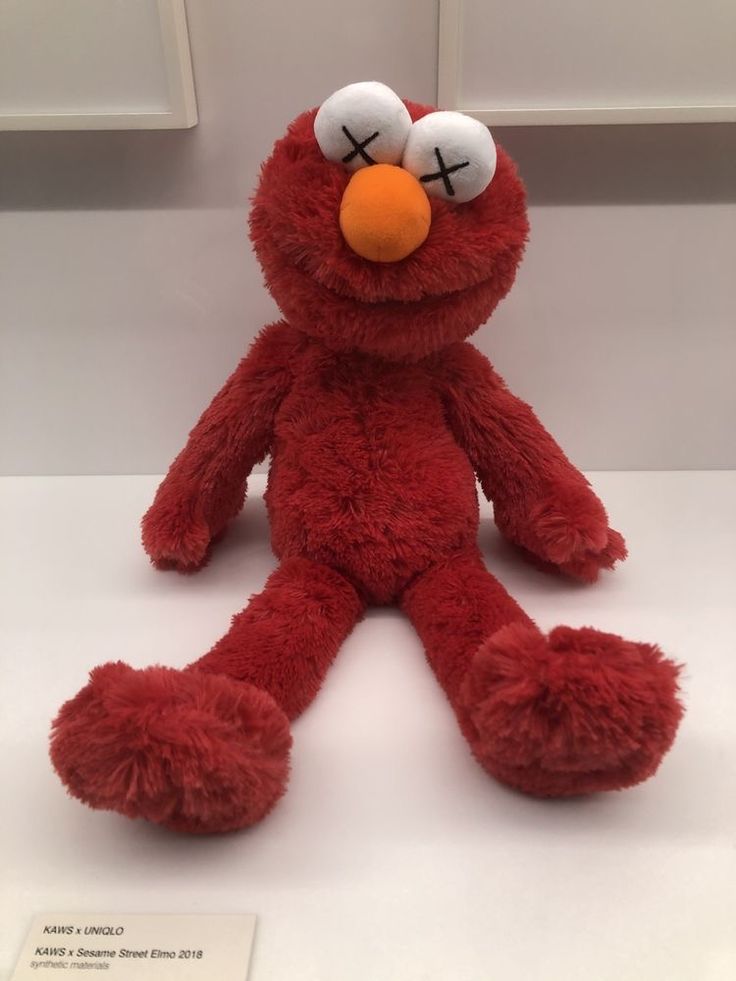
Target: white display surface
x=393 y=856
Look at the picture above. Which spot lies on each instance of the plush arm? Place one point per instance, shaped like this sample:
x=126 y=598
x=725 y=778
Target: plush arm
x=541 y=501
x=206 y=484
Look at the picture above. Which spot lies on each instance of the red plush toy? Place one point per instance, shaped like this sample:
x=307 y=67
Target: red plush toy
x=387 y=232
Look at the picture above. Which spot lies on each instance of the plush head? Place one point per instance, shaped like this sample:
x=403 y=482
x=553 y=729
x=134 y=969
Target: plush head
x=387 y=227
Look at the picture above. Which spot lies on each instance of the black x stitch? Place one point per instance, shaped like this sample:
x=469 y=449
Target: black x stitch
x=358 y=148
x=444 y=172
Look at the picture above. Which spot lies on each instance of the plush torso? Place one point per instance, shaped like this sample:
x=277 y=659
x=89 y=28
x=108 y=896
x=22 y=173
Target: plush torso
x=366 y=475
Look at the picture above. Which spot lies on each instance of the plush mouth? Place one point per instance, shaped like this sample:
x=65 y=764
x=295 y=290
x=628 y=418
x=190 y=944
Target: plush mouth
x=359 y=311
x=339 y=287
x=350 y=295
x=410 y=329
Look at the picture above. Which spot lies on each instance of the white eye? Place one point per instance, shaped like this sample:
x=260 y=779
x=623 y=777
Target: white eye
x=452 y=155
x=362 y=124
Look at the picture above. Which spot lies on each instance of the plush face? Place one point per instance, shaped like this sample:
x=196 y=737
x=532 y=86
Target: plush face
x=387 y=227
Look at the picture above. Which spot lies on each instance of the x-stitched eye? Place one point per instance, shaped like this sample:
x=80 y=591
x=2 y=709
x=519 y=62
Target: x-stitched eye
x=444 y=172
x=358 y=148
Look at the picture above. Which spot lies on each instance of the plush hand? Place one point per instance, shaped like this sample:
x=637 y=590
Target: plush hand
x=175 y=532
x=567 y=529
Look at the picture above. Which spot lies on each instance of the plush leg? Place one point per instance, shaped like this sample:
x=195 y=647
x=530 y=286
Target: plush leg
x=574 y=712
x=287 y=636
x=207 y=749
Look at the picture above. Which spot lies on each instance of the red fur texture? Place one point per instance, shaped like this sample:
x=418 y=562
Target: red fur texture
x=305 y=609
x=378 y=416
x=573 y=713
x=193 y=752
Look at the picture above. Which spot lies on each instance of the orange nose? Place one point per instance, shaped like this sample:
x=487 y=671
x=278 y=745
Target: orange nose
x=384 y=213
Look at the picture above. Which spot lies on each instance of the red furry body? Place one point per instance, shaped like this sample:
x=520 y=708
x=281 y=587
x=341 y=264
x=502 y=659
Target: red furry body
x=378 y=417
x=366 y=475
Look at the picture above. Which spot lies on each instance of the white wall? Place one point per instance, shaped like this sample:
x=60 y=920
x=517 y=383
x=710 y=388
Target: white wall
x=128 y=292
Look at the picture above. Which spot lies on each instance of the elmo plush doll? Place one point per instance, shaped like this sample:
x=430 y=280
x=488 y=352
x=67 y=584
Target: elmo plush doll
x=387 y=233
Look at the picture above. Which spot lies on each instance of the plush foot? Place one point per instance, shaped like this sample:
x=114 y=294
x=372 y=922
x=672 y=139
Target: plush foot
x=194 y=752
x=577 y=712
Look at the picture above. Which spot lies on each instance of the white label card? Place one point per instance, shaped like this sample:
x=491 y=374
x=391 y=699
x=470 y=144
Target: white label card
x=159 y=947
